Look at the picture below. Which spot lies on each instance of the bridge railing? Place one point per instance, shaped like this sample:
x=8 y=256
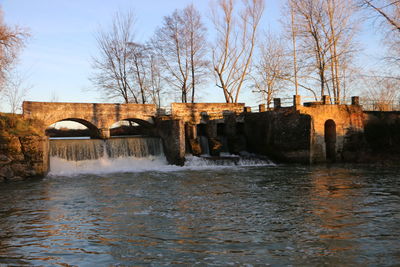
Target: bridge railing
x=380 y=105
x=368 y=104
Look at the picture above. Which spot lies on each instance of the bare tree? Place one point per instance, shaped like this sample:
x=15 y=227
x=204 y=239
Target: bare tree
x=235 y=43
x=156 y=81
x=325 y=30
x=140 y=70
x=293 y=33
x=169 y=43
x=388 y=10
x=349 y=77
x=114 y=66
x=12 y=40
x=342 y=27
x=148 y=74
x=196 y=33
x=180 y=45
x=15 y=90
x=387 y=13
x=272 y=69
x=381 y=94
x=301 y=71
x=309 y=14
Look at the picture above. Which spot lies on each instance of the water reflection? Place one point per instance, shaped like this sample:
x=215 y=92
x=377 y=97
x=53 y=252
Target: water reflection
x=334 y=198
x=257 y=215
x=340 y=199
x=23 y=222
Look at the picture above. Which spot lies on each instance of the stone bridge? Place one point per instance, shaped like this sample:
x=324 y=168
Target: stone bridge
x=97 y=117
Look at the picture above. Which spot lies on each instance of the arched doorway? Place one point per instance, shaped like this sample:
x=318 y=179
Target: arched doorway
x=330 y=140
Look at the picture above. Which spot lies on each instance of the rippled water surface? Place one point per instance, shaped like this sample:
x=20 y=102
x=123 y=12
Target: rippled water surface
x=221 y=216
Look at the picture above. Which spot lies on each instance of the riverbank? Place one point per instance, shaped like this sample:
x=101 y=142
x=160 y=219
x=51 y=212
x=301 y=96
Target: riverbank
x=23 y=148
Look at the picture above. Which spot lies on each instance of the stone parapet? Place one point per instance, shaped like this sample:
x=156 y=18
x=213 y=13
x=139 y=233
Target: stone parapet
x=347 y=119
x=193 y=112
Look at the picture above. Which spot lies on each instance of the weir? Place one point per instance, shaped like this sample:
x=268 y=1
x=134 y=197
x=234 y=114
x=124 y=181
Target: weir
x=127 y=154
x=96 y=156
x=289 y=134
x=312 y=132
x=205 y=150
x=93 y=149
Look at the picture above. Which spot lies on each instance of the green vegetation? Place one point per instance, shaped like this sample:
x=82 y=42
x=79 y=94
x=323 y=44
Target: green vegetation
x=14 y=124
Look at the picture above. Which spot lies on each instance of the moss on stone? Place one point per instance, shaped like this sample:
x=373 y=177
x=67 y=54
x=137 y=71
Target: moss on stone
x=16 y=125
x=23 y=147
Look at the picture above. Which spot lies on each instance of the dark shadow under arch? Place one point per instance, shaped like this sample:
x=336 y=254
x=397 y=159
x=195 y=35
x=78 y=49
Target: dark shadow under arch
x=140 y=122
x=135 y=127
x=330 y=140
x=92 y=131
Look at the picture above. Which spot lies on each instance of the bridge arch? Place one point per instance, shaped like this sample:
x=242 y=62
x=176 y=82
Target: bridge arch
x=133 y=126
x=101 y=116
x=92 y=130
x=149 y=122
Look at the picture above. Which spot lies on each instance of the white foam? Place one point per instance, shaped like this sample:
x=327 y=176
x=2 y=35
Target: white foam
x=63 y=167
x=226 y=161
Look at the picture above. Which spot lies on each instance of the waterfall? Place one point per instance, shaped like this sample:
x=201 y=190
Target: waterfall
x=205 y=149
x=76 y=150
x=129 y=154
x=91 y=149
x=138 y=147
x=69 y=157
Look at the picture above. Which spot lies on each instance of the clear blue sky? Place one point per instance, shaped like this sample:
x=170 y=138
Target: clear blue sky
x=58 y=55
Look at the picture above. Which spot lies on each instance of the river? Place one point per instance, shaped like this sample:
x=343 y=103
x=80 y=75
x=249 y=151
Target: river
x=205 y=215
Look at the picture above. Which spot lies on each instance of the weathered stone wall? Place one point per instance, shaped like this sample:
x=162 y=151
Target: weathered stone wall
x=172 y=132
x=382 y=132
x=297 y=134
x=283 y=135
x=209 y=114
x=23 y=152
x=349 y=120
x=191 y=112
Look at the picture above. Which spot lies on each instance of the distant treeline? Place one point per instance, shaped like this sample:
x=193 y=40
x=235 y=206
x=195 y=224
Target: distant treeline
x=118 y=131
x=126 y=130
x=65 y=132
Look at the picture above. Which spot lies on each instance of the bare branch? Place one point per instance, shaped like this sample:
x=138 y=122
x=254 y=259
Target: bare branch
x=12 y=40
x=180 y=45
x=234 y=47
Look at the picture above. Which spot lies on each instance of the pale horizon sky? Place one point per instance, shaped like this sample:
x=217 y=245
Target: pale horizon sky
x=58 y=56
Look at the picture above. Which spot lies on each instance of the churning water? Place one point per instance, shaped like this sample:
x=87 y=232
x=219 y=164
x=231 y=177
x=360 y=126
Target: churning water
x=72 y=157
x=202 y=214
x=92 y=149
x=133 y=154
